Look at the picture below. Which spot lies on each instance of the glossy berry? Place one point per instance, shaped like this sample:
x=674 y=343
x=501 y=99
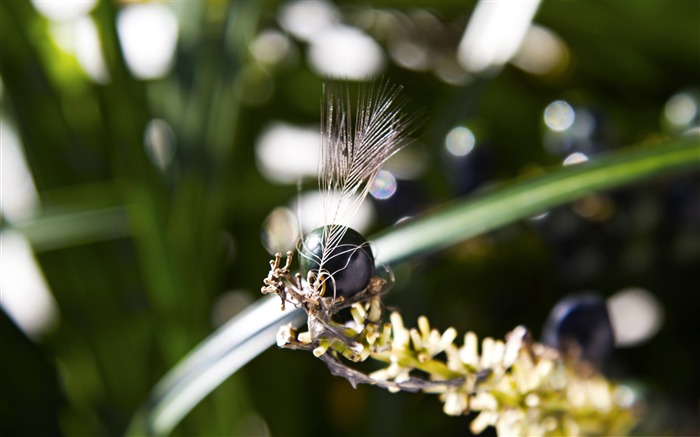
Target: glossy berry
x=351 y=263
x=582 y=322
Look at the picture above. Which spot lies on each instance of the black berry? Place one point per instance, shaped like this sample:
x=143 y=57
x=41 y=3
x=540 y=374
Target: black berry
x=350 y=262
x=581 y=321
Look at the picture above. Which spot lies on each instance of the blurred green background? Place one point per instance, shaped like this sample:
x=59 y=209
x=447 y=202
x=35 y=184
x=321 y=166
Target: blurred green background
x=146 y=200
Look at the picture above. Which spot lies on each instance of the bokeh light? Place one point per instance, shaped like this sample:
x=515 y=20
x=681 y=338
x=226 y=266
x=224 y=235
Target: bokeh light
x=88 y=50
x=285 y=152
x=575 y=158
x=63 y=10
x=409 y=54
x=559 y=116
x=419 y=40
x=460 y=141
x=636 y=316
x=306 y=18
x=311 y=209
x=280 y=231
x=335 y=49
x=584 y=125
x=681 y=109
x=542 y=52
x=272 y=48
x=494 y=34
x=681 y=112
x=409 y=37
x=383 y=186
x=19 y=200
x=25 y=297
x=159 y=143
x=347 y=52
x=148 y=34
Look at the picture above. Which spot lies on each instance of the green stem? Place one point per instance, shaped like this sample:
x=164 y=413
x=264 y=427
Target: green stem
x=431 y=367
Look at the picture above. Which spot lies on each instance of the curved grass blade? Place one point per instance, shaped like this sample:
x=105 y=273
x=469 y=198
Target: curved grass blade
x=210 y=363
x=469 y=217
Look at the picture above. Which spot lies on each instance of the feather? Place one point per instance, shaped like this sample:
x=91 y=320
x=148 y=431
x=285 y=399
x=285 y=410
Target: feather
x=356 y=140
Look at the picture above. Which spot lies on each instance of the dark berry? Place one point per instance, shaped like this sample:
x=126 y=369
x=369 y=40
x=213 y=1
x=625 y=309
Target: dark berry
x=581 y=321
x=350 y=263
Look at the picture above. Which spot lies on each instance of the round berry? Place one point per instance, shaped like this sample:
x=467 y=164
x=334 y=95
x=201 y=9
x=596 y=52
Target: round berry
x=581 y=321
x=350 y=263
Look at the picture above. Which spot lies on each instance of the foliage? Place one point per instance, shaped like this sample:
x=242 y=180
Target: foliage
x=137 y=256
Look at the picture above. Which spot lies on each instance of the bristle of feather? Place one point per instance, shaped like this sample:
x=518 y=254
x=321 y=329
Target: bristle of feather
x=356 y=141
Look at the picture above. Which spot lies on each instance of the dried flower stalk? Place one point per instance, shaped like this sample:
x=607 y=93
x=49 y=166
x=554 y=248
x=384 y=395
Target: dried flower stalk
x=519 y=386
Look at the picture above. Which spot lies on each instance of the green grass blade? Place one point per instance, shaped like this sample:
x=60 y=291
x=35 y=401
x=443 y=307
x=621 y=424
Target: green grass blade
x=211 y=363
x=469 y=217
x=77 y=227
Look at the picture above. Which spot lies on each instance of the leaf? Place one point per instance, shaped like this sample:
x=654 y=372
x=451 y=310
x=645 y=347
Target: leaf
x=468 y=217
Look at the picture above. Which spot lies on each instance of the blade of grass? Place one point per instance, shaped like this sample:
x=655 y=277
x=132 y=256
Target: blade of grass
x=469 y=217
x=230 y=347
x=76 y=227
x=211 y=363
